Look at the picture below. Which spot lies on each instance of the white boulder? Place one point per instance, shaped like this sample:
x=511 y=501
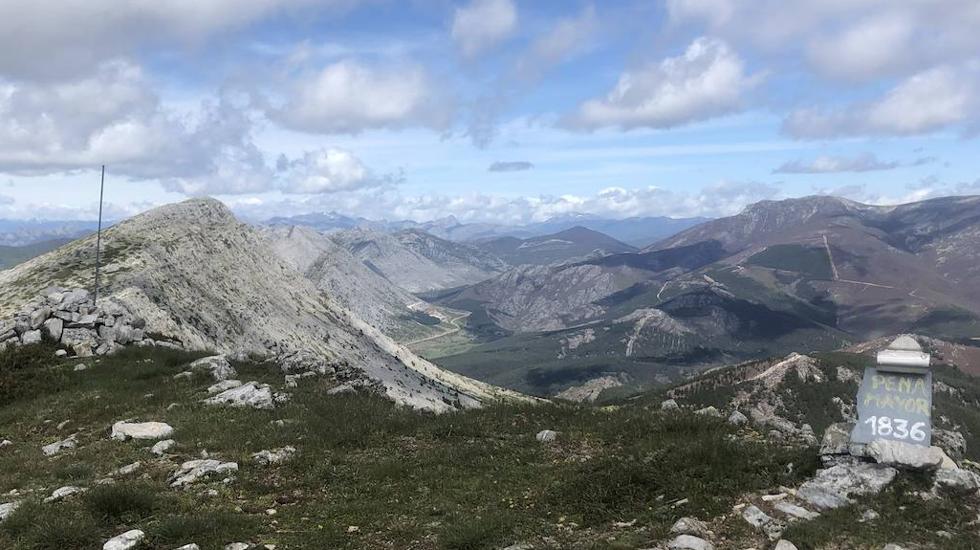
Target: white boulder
x=8 y=508
x=125 y=541
x=688 y=542
x=193 y=470
x=161 y=447
x=63 y=492
x=217 y=365
x=123 y=430
x=69 y=442
x=546 y=436
x=253 y=394
x=905 y=455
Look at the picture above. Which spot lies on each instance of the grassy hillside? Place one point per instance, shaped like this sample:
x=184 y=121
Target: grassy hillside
x=811 y=262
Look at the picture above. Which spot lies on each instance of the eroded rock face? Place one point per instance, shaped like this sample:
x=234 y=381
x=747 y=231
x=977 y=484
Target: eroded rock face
x=834 y=487
x=141 y=430
x=194 y=470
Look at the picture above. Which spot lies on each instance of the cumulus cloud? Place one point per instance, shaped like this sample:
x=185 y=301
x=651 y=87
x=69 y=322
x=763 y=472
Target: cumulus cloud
x=865 y=162
x=568 y=36
x=722 y=199
x=483 y=24
x=707 y=81
x=926 y=102
x=55 y=39
x=511 y=166
x=348 y=97
x=327 y=171
x=113 y=117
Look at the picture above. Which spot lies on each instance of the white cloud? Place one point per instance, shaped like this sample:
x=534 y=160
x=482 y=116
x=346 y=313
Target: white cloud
x=866 y=162
x=348 y=97
x=326 y=171
x=848 y=39
x=55 y=39
x=707 y=81
x=113 y=117
x=926 y=102
x=483 y=24
x=510 y=166
x=569 y=36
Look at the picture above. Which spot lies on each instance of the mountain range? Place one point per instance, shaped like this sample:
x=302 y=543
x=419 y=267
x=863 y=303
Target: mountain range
x=814 y=273
x=635 y=231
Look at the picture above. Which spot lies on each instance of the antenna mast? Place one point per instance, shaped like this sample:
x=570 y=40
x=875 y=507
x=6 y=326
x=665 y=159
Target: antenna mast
x=98 y=239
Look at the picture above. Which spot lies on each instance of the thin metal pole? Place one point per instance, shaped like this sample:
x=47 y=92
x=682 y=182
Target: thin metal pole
x=98 y=239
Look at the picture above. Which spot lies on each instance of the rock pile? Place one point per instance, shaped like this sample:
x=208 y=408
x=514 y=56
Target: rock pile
x=71 y=318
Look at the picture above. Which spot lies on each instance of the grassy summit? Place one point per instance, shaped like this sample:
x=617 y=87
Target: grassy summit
x=368 y=474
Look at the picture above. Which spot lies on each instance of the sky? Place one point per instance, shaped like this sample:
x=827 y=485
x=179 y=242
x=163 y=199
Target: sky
x=505 y=111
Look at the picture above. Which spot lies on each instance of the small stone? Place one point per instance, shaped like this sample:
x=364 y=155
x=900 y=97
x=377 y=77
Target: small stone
x=142 y=430
x=833 y=487
x=60 y=353
x=709 y=411
x=274 y=456
x=891 y=546
x=184 y=375
x=61 y=425
x=869 y=515
x=669 y=405
x=238 y=546
x=127 y=469
x=353 y=529
x=193 y=470
x=795 y=512
x=125 y=541
x=160 y=448
x=217 y=365
x=785 y=545
x=6 y=443
x=270 y=512
x=253 y=394
x=773 y=498
x=223 y=385
x=760 y=520
x=31 y=337
x=80 y=367
x=690 y=526
x=546 y=436
x=688 y=542
x=190 y=546
x=8 y=508
x=63 y=492
x=69 y=442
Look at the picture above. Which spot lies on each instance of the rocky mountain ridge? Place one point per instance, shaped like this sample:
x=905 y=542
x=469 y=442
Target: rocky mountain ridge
x=201 y=280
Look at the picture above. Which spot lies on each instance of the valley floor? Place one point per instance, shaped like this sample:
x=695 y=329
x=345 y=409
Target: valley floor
x=369 y=475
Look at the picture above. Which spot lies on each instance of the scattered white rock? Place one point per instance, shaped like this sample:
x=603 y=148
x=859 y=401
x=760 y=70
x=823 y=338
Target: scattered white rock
x=795 y=512
x=223 y=385
x=69 y=442
x=60 y=353
x=193 y=470
x=773 y=498
x=546 y=436
x=63 y=492
x=190 y=546
x=161 y=447
x=127 y=469
x=141 y=430
x=757 y=518
x=217 y=365
x=688 y=542
x=785 y=545
x=238 y=546
x=709 y=411
x=274 y=456
x=6 y=443
x=869 y=515
x=125 y=541
x=892 y=547
x=833 y=487
x=253 y=394
x=669 y=405
x=690 y=526
x=8 y=508
x=183 y=375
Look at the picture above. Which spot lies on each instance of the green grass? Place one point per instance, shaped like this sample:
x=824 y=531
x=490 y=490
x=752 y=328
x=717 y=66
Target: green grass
x=470 y=480
x=810 y=262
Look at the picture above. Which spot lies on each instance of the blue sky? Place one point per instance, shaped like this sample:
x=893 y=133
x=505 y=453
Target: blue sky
x=490 y=110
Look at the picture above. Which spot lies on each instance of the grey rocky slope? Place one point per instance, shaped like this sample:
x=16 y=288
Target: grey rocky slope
x=198 y=278
x=419 y=262
x=349 y=283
